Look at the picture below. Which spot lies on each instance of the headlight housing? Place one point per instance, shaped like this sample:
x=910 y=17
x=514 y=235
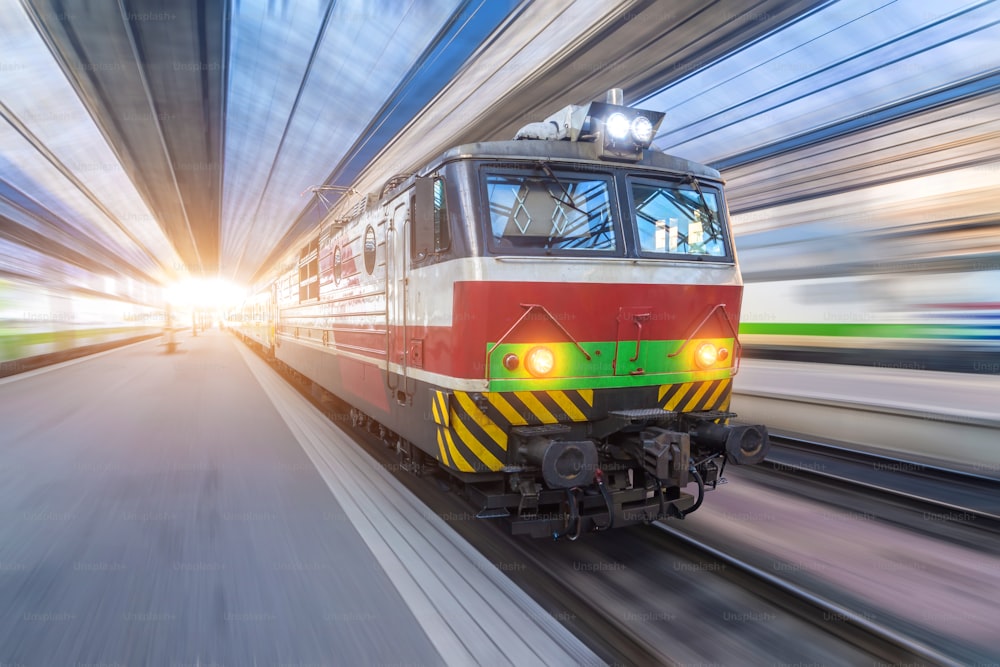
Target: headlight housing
x=642 y=130
x=617 y=125
x=706 y=355
x=540 y=361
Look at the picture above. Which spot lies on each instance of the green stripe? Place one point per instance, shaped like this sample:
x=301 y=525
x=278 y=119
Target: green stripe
x=607 y=382
x=607 y=359
x=17 y=345
x=854 y=329
x=11 y=337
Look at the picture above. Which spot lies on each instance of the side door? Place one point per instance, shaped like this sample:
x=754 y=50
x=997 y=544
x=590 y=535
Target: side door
x=397 y=253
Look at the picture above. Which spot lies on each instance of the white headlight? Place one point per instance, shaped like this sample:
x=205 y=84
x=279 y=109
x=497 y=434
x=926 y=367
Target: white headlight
x=617 y=125
x=642 y=130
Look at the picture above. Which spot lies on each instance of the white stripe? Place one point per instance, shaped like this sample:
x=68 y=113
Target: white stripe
x=437 y=379
x=430 y=297
x=432 y=305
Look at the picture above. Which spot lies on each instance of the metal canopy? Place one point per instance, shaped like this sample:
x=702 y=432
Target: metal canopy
x=147 y=142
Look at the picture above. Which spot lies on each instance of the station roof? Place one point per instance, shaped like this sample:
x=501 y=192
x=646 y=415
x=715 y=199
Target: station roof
x=156 y=142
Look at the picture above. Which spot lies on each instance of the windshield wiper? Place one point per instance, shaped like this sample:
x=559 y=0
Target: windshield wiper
x=704 y=202
x=568 y=202
x=569 y=198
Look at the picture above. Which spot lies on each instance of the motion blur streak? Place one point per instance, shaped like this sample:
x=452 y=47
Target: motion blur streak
x=863 y=179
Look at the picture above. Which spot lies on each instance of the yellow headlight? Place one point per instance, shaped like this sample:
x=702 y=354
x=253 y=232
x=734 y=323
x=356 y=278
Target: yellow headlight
x=540 y=361
x=706 y=355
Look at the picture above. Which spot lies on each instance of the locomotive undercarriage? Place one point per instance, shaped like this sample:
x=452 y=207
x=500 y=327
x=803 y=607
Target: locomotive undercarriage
x=630 y=468
x=638 y=475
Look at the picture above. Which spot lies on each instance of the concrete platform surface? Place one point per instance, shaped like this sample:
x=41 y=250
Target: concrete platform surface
x=192 y=509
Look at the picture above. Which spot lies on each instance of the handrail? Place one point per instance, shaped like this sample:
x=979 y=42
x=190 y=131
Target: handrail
x=736 y=337
x=637 y=320
x=530 y=307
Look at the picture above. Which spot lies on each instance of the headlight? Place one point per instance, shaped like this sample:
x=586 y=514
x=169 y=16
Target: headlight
x=642 y=130
x=540 y=361
x=617 y=125
x=706 y=355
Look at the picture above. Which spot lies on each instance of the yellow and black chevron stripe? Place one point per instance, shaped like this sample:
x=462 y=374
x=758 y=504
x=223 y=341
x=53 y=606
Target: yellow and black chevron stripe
x=696 y=396
x=472 y=432
x=472 y=436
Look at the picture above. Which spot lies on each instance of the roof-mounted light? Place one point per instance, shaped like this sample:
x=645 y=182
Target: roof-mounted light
x=642 y=130
x=617 y=125
x=622 y=133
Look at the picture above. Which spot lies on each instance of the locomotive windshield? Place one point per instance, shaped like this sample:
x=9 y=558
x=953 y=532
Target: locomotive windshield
x=548 y=212
x=673 y=219
x=539 y=209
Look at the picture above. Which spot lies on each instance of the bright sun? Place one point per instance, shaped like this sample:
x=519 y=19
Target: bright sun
x=204 y=293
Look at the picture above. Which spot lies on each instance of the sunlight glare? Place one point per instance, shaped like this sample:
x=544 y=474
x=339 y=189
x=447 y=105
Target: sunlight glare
x=204 y=293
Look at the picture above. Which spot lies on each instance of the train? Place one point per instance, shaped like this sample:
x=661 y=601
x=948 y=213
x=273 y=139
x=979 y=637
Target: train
x=551 y=320
x=44 y=323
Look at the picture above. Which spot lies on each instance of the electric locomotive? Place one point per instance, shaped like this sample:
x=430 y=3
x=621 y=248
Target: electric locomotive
x=552 y=320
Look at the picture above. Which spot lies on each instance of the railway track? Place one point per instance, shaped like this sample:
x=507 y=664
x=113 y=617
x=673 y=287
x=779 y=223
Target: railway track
x=937 y=492
x=853 y=627
x=902 y=515
x=645 y=598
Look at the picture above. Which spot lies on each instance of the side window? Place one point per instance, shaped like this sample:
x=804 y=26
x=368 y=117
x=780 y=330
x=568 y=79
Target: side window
x=309 y=271
x=442 y=233
x=429 y=232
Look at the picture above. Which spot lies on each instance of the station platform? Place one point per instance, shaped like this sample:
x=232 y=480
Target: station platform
x=193 y=509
